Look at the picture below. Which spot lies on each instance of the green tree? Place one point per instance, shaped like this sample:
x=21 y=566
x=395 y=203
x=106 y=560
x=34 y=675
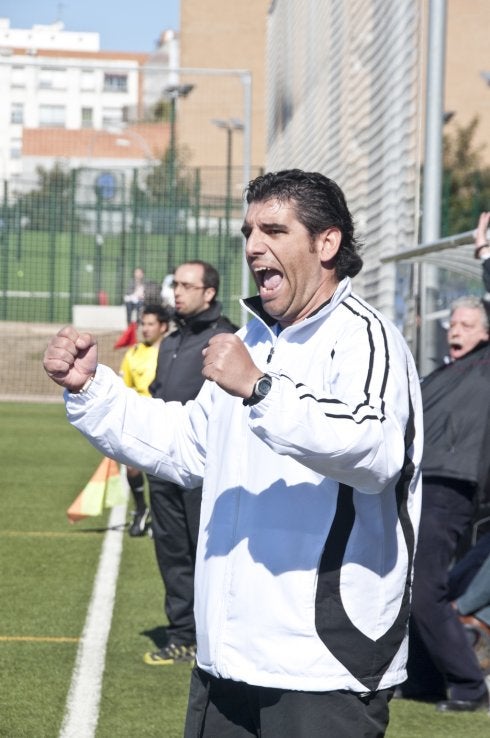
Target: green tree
x=168 y=191
x=162 y=111
x=169 y=179
x=466 y=180
x=46 y=207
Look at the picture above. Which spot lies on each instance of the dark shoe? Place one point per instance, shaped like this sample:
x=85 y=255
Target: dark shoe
x=170 y=655
x=463 y=705
x=140 y=521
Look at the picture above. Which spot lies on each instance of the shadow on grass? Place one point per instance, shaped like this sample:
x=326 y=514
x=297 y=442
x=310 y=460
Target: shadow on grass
x=158 y=635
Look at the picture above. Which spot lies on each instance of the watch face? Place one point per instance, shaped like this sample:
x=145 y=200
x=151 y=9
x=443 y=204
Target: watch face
x=263 y=386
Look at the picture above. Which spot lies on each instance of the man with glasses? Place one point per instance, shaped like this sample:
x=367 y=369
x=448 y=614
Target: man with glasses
x=175 y=510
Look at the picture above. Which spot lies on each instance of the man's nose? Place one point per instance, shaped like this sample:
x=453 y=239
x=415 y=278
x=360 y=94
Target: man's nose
x=255 y=244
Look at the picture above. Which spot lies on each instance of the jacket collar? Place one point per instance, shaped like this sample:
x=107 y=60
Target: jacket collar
x=254 y=306
x=199 y=322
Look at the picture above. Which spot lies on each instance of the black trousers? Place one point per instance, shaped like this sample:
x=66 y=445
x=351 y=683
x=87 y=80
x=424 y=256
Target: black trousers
x=228 y=709
x=175 y=523
x=447 y=513
x=463 y=573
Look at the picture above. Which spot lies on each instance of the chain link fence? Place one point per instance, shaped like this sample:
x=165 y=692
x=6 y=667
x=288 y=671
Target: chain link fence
x=75 y=238
x=72 y=239
x=109 y=163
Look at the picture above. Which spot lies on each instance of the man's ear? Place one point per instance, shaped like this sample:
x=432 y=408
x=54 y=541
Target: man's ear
x=209 y=294
x=330 y=241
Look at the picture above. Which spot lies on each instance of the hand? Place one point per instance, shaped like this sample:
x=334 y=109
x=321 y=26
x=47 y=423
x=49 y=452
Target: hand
x=71 y=358
x=228 y=363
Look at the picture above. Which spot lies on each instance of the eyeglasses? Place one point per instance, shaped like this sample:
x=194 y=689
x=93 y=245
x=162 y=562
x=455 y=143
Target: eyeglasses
x=186 y=286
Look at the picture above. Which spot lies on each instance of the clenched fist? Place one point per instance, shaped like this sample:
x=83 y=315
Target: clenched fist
x=71 y=358
x=228 y=363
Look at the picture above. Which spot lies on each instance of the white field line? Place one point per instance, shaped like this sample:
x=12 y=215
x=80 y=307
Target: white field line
x=44 y=294
x=82 y=705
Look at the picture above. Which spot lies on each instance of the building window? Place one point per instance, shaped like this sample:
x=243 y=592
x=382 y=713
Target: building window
x=16 y=148
x=18 y=76
x=52 y=116
x=87 y=81
x=87 y=118
x=52 y=78
x=112 y=117
x=17 y=113
x=115 y=82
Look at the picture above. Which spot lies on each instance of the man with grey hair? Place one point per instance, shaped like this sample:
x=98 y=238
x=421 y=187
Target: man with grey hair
x=456 y=478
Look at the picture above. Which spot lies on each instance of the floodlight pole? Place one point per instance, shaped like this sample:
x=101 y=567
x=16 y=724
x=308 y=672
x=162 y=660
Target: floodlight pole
x=230 y=125
x=245 y=77
x=172 y=92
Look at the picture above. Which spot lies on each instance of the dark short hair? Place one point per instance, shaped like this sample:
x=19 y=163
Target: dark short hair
x=163 y=314
x=210 y=275
x=319 y=204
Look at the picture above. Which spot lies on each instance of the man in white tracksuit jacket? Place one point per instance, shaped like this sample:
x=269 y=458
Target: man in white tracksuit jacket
x=307 y=438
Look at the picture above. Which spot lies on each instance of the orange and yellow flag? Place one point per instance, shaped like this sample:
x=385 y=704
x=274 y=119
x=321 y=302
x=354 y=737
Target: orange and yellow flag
x=104 y=489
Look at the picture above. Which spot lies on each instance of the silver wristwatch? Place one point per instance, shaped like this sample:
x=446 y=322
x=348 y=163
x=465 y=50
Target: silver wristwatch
x=261 y=388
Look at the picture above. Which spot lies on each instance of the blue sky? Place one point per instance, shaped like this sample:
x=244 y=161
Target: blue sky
x=123 y=26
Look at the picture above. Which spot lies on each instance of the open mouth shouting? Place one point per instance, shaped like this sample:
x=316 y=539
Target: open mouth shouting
x=456 y=349
x=268 y=281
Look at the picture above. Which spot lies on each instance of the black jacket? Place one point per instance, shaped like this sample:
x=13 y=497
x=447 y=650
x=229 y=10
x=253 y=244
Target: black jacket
x=456 y=401
x=179 y=368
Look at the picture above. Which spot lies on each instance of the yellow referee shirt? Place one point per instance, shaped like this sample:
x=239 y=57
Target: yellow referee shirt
x=139 y=366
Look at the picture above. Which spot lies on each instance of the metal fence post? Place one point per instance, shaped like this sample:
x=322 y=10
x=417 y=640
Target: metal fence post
x=197 y=206
x=71 y=276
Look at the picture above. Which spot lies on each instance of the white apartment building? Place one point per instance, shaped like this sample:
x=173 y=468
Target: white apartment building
x=54 y=83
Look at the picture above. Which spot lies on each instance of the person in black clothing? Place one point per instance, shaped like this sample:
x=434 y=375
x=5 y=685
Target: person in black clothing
x=175 y=511
x=442 y=665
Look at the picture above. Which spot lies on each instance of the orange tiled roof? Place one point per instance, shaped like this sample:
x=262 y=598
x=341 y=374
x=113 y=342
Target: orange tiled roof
x=134 y=142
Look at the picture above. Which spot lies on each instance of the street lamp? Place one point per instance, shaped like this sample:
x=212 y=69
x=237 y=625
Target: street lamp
x=229 y=125
x=173 y=92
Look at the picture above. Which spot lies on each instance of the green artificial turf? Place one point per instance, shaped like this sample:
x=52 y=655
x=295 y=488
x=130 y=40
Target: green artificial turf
x=48 y=566
x=149 y=700
x=48 y=571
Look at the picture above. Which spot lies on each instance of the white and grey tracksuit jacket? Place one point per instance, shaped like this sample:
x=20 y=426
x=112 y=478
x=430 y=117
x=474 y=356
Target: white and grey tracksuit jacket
x=311 y=498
